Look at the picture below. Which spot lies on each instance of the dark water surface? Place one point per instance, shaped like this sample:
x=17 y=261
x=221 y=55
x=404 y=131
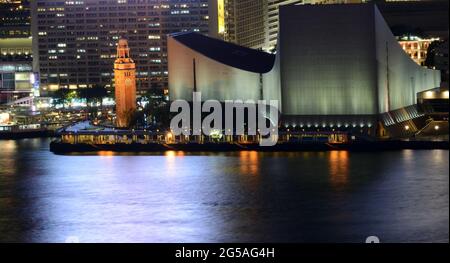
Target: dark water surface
x=399 y=196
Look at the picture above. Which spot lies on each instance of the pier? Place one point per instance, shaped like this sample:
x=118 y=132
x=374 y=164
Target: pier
x=145 y=141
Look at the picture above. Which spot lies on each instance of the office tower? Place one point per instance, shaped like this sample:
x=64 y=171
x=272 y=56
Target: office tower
x=16 y=75
x=75 y=41
x=248 y=23
x=15 y=19
x=273 y=20
x=242 y=22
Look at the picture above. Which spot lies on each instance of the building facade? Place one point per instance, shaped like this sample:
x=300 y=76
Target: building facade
x=248 y=23
x=325 y=85
x=125 y=89
x=417 y=48
x=346 y=76
x=15 y=20
x=17 y=79
x=16 y=76
x=253 y=23
x=223 y=71
x=273 y=20
x=242 y=22
x=75 y=41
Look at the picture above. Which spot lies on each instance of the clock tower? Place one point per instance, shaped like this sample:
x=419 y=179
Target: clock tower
x=125 y=85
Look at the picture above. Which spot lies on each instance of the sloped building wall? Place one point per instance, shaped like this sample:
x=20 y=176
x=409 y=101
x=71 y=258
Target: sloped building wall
x=399 y=77
x=216 y=81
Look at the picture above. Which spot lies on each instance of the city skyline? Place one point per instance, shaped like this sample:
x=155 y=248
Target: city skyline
x=225 y=130
x=150 y=47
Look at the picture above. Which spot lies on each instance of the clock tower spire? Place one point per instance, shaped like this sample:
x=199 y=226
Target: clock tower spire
x=125 y=85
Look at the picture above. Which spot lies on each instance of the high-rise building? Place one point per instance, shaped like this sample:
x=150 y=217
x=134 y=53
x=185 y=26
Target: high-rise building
x=242 y=22
x=248 y=23
x=75 y=41
x=15 y=19
x=326 y=2
x=125 y=80
x=16 y=75
x=273 y=20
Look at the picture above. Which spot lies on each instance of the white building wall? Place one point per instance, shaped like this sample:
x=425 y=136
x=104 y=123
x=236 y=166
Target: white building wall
x=327 y=60
x=215 y=80
x=334 y=62
x=272 y=83
x=405 y=78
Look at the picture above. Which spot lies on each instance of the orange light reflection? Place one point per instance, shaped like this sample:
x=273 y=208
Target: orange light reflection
x=339 y=169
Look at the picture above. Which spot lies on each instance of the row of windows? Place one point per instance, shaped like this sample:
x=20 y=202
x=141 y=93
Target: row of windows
x=13 y=51
x=119 y=3
x=92 y=69
x=132 y=16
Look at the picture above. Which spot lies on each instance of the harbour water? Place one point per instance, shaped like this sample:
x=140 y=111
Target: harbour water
x=337 y=196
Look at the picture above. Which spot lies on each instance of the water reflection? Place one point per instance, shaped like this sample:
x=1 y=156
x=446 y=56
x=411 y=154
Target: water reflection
x=106 y=153
x=222 y=197
x=249 y=163
x=172 y=154
x=8 y=161
x=338 y=162
x=171 y=159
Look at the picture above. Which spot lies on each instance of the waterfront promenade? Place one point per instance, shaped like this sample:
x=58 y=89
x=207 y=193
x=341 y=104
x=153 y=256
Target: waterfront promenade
x=84 y=137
